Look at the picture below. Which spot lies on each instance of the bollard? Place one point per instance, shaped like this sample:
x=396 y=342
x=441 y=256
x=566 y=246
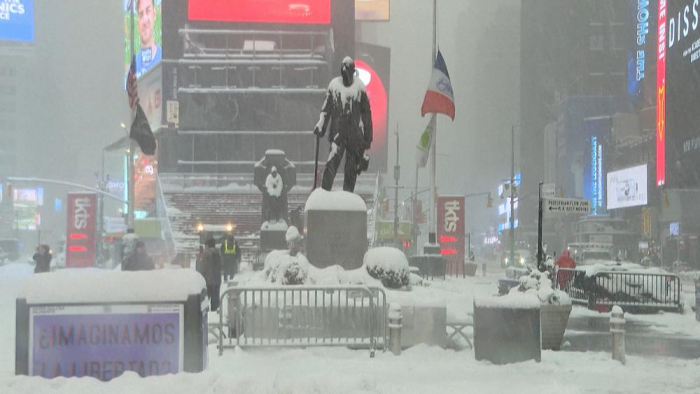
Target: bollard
x=617 y=329
x=395 y=316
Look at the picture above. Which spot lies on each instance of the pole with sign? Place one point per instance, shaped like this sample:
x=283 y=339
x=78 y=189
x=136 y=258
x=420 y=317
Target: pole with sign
x=556 y=205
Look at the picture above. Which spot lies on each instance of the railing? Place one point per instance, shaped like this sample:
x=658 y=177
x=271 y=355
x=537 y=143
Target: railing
x=303 y=316
x=631 y=290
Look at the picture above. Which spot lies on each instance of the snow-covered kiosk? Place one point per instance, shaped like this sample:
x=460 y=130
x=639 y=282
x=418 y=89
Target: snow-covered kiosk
x=88 y=322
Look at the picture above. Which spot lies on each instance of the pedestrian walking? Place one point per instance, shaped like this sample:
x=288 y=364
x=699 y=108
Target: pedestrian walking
x=231 y=256
x=211 y=271
x=139 y=259
x=42 y=258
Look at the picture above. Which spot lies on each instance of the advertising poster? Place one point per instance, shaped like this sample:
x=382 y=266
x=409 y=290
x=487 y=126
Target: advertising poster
x=105 y=341
x=17 y=20
x=148 y=35
x=81 y=226
x=679 y=83
x=146 y=178
x=261 y=11
x=627 y=188
x=451 y=235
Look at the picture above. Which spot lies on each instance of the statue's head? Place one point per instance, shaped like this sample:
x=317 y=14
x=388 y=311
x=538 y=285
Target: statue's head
x=347 y=70
x=273 y=171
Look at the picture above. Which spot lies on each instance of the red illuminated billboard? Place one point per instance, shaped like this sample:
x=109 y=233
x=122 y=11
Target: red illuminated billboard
x=261 y=11
x=661 y=98
x=451 y=232
x=80 y=234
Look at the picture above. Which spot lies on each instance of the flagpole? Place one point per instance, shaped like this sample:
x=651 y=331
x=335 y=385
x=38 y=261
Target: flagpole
x=130 y=143
x=432 y=238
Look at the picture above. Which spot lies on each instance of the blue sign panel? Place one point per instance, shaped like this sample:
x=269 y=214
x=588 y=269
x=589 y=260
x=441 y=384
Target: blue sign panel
x=17 y=20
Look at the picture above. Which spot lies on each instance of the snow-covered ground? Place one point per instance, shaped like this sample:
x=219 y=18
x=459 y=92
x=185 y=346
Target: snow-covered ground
x=421 y=369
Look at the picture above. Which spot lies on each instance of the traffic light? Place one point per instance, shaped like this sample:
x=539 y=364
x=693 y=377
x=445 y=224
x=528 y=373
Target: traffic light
x=489 y=201
x=406 y=245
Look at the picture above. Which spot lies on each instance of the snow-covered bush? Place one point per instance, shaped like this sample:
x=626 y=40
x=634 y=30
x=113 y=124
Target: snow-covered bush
x=389 y=265
x=538 y=284
x=281 y=268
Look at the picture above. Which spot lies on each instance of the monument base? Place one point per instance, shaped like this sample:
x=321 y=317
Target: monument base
x=272 y=235
x=336 y=225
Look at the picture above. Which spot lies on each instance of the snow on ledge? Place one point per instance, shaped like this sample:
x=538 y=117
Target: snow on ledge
x=72 y=286
x=510 y=301
x=321 y=200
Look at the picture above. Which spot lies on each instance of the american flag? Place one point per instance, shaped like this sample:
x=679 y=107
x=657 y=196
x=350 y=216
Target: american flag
x=131 y=87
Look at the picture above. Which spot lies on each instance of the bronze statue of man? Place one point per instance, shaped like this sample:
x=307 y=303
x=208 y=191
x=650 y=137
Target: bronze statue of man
x=346 y=112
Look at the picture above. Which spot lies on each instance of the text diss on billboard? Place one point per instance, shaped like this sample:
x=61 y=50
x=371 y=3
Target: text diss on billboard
x=85 y=341
x=261 y=11
x=678 y=84
x=81 y=220
x=451 y=232
x=17 y=20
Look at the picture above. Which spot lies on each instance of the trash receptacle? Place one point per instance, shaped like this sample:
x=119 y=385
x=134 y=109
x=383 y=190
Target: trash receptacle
x=507 y=329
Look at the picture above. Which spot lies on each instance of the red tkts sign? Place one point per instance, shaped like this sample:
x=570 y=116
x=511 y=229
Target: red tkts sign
x=450 y=232
x=264 y=11
x=80 y=233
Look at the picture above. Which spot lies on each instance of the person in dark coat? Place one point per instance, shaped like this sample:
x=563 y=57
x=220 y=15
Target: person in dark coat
x=211 y=271
x=139 y=260
x=231 y=256
x=42 y=258
x=346 y=113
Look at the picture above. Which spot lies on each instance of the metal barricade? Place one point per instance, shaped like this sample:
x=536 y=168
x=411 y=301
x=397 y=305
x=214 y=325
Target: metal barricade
x=638 y=290
x=630 y=290
x=303 y=316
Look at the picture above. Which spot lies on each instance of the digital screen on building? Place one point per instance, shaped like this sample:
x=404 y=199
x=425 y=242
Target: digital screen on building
x=17 y=20
x=372 y=10
x=679 y=129
x=261 y=11
x=642 y=17
x=627 y=188
x=148 y=34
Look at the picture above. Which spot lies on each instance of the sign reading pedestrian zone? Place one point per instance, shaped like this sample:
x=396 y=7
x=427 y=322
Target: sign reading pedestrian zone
x=567 y=205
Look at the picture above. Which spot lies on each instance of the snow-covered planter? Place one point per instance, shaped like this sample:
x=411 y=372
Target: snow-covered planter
x=555 y=307
x=470 y=268
x=281 y=268
x=389 y=265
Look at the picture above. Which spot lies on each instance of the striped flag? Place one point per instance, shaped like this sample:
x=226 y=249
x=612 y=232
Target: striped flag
x=439 y=99
x=131 y=86
x=425 y=143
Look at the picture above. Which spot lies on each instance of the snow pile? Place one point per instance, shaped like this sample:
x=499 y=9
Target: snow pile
x=281 y=268
x=292 y=235
x=85 y=285
x=321 y=200
x=514 y=300
x=538 y=284
x=274 y=225
x=388 y=265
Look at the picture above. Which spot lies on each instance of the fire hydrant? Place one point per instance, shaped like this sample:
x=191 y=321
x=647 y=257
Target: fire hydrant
x=395 y=317
x=617 y=329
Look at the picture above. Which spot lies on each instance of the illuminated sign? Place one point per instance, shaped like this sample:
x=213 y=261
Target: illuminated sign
x=17 y=20
x=372 y=10
x=261 y=11
x=642 y=21
x=661 y=96
x=81 y=227
x=379 y=102
x=80 y=341
x=627 y=188
x=148 y=35
x=597 y=179
x=451 y=231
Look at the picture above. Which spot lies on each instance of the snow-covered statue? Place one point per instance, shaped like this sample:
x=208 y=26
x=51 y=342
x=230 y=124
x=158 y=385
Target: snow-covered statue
x=274 y=176
x=346 y=113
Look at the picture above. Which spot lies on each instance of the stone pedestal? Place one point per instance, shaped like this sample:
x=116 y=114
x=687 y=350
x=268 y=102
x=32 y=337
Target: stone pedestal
x=272 y=235
x=336 y=225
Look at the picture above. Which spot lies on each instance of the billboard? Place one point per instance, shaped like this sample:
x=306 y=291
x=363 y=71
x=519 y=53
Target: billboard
x=372 y=10
x=627 y=188
x=642 y=14
x=678 y=137
x=261 y=11
x=81 y=225
x=451 y=234
x=373 y=64
x=145 y=180
x=148 y=35
x=105 y=341
x=661 y=95
x=17 y=20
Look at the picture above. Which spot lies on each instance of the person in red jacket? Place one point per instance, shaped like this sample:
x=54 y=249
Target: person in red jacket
x=564 y=261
